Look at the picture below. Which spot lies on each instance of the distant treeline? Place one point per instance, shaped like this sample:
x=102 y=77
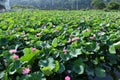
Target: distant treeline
x=64 y=4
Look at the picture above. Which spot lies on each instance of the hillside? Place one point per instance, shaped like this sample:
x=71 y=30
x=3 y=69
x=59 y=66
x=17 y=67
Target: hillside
x=56 y=4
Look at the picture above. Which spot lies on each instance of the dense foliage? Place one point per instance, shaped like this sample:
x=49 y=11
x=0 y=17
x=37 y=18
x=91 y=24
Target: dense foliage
x=98 y=4
x=113 y=6
x=50 y=45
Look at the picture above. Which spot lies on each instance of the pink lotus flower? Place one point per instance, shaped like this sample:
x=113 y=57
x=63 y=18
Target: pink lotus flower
x=65 y=51
x=26 y=71
x=33 y=49
x=15 y=57
x=67 y=78
x=69 y=41
x=88 y=30
x=100 y=34
x=75 y=39
x=38 y=34
x=12 y=51
x=92 y=37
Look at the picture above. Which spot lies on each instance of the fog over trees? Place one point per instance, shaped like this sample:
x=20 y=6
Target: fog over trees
x=57 y=4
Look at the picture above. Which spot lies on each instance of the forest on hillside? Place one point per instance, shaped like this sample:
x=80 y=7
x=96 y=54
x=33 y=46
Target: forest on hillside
x=61 y=4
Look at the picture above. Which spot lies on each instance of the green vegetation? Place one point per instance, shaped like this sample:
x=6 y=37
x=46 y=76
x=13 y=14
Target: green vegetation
x=98 y=4
x=53 y=45
x=113 y=6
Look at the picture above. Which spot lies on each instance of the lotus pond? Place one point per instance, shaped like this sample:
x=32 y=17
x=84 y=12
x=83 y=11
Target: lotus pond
x=59 y=45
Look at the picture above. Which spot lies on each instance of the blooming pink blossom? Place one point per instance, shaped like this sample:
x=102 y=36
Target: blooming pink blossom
x=15 y=57
x=88 y=30
x=38 y=34
x=100 y=34
x=33 y=49
x=26 y=71
x=65 y=51
x=12 y=51
x=92 y=37
x=67 y=78
x=75 y=39
x=69 y=41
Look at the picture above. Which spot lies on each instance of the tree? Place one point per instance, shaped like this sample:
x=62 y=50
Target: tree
x=113 y=5
x=98 y=4
x=2 y=7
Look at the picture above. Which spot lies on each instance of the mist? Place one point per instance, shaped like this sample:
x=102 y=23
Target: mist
x=51 y=4
x=54 y=4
